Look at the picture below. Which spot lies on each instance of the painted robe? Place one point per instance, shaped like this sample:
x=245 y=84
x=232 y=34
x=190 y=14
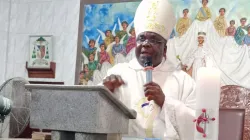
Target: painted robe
x=121 y=34
x=174 y=121
x=246 y=40
x=240 y=34
x=172 y=35
x=203 y=14
x=104 y=57
x=220 y=25
x=109 y=40
x=231 y=31
x=118 y=48
x=111 y=57
x=93 y=65
x=182 y=25
x=197 y=59
x=88 y=51
x=131 y=43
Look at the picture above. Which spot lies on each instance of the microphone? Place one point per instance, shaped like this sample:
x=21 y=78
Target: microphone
x=5 y=106
x=148 y=65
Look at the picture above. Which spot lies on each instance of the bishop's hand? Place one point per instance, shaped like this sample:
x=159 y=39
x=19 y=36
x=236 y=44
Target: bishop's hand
x=154 y=92
x=112 y=82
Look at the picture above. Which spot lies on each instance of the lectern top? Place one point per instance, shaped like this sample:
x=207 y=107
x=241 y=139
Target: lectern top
x=128 y=112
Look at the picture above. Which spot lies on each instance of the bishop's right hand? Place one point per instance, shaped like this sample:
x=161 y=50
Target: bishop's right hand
x=112 y=82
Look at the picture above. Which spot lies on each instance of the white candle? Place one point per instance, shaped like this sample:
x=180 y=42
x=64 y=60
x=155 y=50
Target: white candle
x=208 y=98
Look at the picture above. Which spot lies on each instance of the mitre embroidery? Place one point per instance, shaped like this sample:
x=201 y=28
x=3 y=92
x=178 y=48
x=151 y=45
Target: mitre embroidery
x=151 y=18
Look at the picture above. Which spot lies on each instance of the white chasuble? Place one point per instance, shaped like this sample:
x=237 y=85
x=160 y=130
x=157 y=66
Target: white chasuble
x=174 y=121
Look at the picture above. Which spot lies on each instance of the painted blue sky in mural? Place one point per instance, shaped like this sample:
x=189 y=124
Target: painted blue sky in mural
x=104 y=17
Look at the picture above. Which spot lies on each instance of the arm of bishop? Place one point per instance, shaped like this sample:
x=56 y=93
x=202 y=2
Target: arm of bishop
x=116 y=70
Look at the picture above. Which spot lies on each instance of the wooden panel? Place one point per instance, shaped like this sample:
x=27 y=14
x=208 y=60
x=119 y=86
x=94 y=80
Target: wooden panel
x=231 y=124
x=42 y=73
x=236 y=97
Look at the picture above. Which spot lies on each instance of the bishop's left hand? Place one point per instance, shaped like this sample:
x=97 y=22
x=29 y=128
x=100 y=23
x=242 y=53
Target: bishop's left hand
x=154 y=92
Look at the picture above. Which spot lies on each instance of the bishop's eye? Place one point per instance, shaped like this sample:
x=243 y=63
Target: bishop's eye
x=141 y=38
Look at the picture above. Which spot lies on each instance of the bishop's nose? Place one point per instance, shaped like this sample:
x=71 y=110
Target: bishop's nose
x=146 y=44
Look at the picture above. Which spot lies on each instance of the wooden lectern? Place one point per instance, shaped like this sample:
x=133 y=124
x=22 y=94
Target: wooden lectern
x=78 y=112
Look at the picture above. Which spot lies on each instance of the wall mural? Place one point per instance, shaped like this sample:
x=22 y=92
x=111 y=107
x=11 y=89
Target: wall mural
x=108 y=33
x=235 y=14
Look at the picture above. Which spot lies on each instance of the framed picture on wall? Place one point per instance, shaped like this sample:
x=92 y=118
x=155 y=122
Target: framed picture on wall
x=40 y=51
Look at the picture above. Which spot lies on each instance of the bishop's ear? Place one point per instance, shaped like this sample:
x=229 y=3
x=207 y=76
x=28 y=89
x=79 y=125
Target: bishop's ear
x=165 y=52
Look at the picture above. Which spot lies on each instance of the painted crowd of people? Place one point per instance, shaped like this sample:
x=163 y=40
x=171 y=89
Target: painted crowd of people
x=113 y=43
x=241 y=34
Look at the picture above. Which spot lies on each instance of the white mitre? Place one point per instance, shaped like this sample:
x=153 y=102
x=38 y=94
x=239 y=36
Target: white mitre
x=155 y=16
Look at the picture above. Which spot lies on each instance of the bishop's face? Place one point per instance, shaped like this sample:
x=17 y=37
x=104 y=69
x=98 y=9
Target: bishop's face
x=200 y=39
x=152 y=45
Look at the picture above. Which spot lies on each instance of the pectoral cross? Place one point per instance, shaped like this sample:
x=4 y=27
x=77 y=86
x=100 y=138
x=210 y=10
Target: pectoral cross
x=202 y=121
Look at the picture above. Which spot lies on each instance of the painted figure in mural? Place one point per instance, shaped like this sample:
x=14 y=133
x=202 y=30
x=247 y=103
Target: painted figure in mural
x=118 y=47
x=231 y=30
x=204 y=12
x=198 y=58
x=131 y=41
x=183 y=23
x=172 y=35
x=91 y=49
x=246 y=39
x=220 y=23
x=241 y=32
x=109 y=38
x=93 y=64
x=85 y=75
x=103 y=55
x=81 y=78
x=123 y=32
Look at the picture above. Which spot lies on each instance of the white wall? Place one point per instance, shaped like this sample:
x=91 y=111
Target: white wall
x=59 y=18
x=4 y=21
